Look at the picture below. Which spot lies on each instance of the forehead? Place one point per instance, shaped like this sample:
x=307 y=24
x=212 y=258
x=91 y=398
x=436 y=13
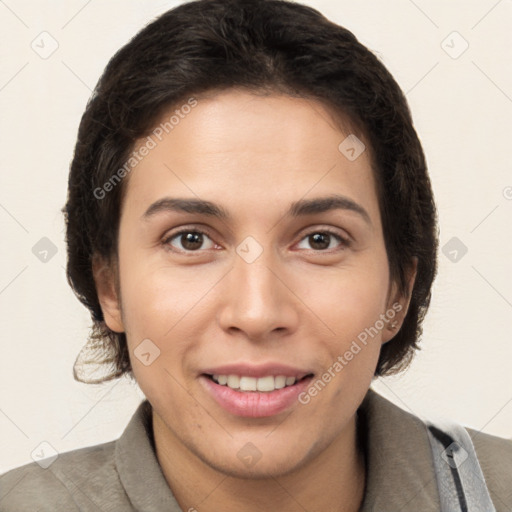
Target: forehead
x=250 y=150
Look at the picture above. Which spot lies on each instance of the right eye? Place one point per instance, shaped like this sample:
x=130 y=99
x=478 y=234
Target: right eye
x=188 y=240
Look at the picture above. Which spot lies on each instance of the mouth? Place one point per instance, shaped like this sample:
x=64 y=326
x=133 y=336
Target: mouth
x=255 y=397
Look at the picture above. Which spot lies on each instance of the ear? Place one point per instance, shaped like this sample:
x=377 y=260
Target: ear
x=399 y=304
x=104 y=279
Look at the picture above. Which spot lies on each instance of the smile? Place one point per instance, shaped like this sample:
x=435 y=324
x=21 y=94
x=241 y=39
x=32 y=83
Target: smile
x=254 y=397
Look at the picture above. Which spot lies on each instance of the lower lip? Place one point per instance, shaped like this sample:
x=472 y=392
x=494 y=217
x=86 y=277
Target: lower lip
x=255 y=404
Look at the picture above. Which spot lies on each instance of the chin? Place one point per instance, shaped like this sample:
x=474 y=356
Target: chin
x=248 y=462
x=260 y=471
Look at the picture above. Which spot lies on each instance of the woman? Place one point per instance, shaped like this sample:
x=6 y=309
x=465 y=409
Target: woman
x=251 y=223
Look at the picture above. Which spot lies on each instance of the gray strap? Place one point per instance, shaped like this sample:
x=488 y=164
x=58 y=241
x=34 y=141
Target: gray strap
x=460 y=480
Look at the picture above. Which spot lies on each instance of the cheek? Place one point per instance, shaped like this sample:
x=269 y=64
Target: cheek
x=155 y=307
x=350 y=304
x=165 y=305
x=349 y=299
x=156 y=297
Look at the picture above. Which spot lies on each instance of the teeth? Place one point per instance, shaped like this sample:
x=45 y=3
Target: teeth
x=248 y=383
x=280 y=382
x=244 y=383
x=233 y=381
x=265 y=383
x=290 y=381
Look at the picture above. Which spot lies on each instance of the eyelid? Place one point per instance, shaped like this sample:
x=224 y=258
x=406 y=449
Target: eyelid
x=345 y=239
x=187 y=229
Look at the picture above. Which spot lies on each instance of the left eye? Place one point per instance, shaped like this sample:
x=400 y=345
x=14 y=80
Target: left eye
x=321 y=240
x=190 y=240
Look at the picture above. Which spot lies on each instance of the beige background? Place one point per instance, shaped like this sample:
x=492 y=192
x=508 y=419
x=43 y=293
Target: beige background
x=463 y=112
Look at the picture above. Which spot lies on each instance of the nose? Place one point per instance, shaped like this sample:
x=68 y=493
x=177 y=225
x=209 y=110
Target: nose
x=258 y=299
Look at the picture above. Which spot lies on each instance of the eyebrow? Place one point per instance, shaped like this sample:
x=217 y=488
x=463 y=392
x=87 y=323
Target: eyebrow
x=297 y=208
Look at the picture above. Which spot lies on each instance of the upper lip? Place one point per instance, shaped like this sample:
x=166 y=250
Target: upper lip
x=262 y=370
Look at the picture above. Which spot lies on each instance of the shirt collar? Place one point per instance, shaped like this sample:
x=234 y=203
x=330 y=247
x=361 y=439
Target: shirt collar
x=138 y=467
x=399 y=464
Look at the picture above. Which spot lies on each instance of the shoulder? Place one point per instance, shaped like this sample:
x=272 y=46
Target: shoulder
x=495 y=458
x=66 y=484
x=399 y=452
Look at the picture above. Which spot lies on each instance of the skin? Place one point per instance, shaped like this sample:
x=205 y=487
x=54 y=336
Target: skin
x=297 y=303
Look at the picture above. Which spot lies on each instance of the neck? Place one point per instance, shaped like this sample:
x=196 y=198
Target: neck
x=333 y=481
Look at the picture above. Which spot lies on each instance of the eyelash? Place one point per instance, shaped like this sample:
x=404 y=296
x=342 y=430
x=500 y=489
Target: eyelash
x=345 y=242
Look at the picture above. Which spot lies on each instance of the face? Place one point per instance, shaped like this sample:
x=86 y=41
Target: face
x=233 y=263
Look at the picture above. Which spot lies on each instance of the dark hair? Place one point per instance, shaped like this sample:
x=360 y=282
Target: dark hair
x=269 y=46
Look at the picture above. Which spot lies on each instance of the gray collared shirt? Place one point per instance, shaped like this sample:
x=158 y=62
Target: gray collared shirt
x=124 y=475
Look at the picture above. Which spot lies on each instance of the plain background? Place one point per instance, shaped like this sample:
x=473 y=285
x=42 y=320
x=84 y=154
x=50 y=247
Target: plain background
x=462 y=109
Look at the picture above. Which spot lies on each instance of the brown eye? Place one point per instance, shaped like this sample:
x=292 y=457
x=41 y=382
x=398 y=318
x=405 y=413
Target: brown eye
x=322 y=240
x=319 y=240
x=189 y=240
